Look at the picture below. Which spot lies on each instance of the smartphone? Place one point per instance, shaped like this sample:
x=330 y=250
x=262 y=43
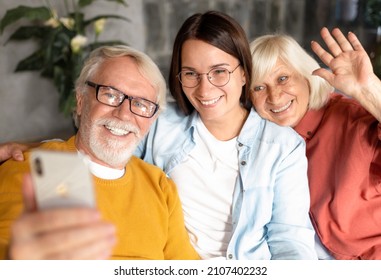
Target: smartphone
x=61 y=179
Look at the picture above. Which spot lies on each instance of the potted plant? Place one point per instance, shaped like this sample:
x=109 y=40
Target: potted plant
x=62 y=42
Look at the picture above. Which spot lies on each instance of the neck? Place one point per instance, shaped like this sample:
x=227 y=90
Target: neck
x=228 y=127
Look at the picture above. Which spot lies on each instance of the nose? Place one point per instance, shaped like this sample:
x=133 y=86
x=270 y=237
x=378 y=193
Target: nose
x=204 y=84
x=123 y=111
x=273 y=94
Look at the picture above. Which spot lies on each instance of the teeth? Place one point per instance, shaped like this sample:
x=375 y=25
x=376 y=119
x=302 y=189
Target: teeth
x=210 y=102
x=117 y=131
x=285 y=107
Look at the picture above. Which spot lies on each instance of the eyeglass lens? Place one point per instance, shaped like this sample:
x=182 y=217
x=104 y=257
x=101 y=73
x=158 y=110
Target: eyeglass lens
x=139 y=106
x=217 y=76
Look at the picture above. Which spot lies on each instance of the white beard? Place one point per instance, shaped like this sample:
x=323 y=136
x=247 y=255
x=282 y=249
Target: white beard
x=114 y=152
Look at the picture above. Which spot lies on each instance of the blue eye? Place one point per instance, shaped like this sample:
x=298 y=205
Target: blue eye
x=259 y=88
x=283 y=78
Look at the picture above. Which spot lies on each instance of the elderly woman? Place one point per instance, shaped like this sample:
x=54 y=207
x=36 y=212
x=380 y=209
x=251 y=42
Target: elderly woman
x=342 y=134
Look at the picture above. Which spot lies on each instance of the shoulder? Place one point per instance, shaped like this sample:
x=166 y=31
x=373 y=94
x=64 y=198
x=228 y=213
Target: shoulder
x=148 y=171
x=152 y=177
x=269 y=132
x=172 y=115
x=59 y=145
x=12 y=167
x=345 y=108
x=341 y=102
x=145 y=167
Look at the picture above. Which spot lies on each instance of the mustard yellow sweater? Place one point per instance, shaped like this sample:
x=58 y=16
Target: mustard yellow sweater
x=143 y=205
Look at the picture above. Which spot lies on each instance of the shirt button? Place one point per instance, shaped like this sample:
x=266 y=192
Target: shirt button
x=240 y=144
x=243 y=162
x=230 y=256
x=309 y=133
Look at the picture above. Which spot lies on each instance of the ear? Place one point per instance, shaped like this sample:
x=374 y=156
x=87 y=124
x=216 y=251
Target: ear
x=243 y=78
x=79 y=97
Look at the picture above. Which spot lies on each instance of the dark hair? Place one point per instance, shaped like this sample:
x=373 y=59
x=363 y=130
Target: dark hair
x=221 y=31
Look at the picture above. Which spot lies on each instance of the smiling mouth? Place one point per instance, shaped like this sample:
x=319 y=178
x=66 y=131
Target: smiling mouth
x=210 y=102
x=282 y=109
x=117 y=131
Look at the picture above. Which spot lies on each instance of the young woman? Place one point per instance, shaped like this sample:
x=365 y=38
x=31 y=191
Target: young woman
x=242 y=180
x=342 y=134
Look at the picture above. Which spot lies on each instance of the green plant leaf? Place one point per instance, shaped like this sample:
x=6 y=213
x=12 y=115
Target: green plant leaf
x=89 y=21
x=119 y=1
x=83 y=3
x=373 y=12
x=28 y=32
x=31 y=13
x=33 y=62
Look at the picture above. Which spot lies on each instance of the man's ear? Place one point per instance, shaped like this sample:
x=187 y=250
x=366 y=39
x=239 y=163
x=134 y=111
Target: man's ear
x=79 y=97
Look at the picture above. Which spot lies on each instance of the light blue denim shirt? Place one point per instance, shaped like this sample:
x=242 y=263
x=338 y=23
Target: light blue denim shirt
x=271 y=196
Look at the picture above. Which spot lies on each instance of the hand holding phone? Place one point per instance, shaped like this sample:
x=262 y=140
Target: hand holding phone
x=61 y=179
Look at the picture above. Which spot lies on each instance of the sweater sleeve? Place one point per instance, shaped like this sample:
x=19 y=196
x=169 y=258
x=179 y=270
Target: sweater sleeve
x=11 y=202
x=178 y=246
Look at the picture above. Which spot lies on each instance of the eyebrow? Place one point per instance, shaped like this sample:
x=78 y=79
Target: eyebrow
x=211 y=67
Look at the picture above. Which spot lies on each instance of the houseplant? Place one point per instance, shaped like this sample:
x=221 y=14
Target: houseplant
x=63 y=42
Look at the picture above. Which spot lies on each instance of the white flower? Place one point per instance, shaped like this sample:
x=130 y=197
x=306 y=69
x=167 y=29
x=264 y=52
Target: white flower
x=99 y=25
x=77 y=43
x=67 y=22
x=52 y=22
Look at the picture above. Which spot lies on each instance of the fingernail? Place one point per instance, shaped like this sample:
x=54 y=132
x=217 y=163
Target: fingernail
x=19 y=157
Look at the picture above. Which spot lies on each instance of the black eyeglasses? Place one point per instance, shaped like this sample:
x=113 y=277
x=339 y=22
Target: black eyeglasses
x=218 y=77
x=112 y=97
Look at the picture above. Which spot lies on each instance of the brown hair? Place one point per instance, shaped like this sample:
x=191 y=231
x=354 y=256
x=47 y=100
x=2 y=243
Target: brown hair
x=221 y=31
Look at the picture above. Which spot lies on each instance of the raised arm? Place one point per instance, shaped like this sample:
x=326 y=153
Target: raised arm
x=351 y=69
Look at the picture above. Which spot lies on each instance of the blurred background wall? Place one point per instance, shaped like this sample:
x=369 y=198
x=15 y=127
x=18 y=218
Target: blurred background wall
x=29 y=103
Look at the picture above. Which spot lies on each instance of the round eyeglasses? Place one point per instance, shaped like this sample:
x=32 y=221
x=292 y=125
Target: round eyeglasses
x=218 y=77
x=112 y=97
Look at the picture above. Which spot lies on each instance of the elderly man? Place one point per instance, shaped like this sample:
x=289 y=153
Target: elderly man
x=119 y=94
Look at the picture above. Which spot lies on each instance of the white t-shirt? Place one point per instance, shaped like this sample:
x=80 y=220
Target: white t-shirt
x=206 y=180
x=102 y=171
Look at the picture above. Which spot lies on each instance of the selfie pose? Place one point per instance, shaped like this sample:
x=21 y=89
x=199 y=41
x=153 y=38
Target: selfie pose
x=242 y=180
x=138 y=213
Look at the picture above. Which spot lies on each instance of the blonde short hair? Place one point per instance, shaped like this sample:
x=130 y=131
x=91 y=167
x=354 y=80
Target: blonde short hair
x=267 y=49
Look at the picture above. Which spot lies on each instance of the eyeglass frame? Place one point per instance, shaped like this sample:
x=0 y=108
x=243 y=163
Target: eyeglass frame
x=198 y=78
x=125 y=96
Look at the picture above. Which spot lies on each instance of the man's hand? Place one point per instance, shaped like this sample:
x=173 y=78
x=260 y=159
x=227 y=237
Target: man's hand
x=62 y=233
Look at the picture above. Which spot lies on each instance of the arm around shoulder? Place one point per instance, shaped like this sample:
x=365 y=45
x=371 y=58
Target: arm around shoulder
x=14 y=150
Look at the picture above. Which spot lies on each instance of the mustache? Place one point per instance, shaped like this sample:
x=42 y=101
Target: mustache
x=120 y=125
